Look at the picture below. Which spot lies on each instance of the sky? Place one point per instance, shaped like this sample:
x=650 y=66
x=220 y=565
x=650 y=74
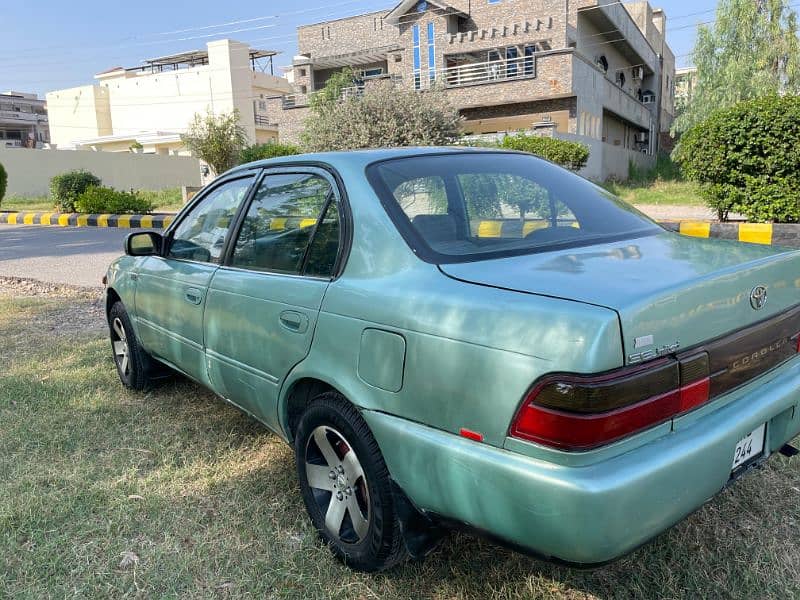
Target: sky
x=65 y=43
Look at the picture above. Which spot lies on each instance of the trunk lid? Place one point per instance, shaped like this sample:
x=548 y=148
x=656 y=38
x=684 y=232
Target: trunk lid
x=671 y=292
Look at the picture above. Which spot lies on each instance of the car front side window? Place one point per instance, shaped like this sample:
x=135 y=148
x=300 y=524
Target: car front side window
x=200 y=236
x=291 y=227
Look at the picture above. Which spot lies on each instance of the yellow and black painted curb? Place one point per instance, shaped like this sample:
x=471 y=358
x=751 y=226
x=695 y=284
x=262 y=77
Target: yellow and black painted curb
x=81 y=220
x=779 y=234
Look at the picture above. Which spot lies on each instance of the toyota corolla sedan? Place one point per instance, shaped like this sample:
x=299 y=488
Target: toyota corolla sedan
x=469 y=338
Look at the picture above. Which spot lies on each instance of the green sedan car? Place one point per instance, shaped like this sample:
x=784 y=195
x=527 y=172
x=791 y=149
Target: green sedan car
x=472 y=338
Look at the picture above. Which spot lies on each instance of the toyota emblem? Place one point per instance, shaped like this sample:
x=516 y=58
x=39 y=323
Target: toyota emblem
x=758 y=297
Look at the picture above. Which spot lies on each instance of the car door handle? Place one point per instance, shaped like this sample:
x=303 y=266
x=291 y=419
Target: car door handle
x=193 y=295
x=294 y=321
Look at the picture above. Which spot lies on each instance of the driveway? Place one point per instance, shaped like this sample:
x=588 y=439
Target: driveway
x=71 y=255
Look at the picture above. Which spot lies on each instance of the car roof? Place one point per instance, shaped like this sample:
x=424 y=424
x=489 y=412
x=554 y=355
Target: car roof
x=362 y=158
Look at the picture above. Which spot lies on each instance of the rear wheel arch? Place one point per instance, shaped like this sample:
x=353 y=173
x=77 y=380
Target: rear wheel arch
x=112 y=297
x=301 y=393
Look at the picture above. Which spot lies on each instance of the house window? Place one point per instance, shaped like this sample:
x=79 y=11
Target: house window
x=431 y=52
x=511 y=61
x=494 y=1
x=529 y=67
x=377 y=71
x=302 y=73
x=417 y=57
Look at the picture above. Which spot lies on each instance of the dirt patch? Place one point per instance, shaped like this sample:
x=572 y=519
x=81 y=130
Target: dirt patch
x=74 y=308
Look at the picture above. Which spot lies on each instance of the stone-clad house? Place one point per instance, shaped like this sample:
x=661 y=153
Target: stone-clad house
x=596 y=71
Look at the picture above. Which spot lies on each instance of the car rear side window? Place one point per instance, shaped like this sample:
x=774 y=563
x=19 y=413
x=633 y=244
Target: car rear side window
x=479 y=205
x=200 y=235
x=291 y=227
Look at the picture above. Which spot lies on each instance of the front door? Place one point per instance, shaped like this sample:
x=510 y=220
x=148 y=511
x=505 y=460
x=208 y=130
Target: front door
x=171 y=291
x=262 y=305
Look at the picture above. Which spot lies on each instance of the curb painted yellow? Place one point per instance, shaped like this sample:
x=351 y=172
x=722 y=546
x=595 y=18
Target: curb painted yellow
x=45 y=220
x=168 y=221
x=102 y=220
x=124 y=221
x=695 y=228
x=12 y=219
x=755 y=233
x=490 y=229
x=146 y=221
x=83 y=221
x=63 y=220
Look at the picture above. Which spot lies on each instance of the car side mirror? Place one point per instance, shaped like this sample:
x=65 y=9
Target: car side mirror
x=144 y=243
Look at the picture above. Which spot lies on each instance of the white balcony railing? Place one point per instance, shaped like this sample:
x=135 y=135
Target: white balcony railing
x=489 y=71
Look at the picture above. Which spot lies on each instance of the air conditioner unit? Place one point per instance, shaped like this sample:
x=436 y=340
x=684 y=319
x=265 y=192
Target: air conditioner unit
x=641 y=137
x=638 y=73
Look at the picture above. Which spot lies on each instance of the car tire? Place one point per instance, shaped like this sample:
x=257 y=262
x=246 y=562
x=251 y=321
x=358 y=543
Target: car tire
x=134 y=365
x=346 y=486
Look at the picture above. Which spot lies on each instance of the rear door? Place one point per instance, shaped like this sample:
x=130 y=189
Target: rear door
x=171 y=291
x=263 y=303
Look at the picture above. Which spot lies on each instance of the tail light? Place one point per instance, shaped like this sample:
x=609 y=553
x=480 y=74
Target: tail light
x=578 y=412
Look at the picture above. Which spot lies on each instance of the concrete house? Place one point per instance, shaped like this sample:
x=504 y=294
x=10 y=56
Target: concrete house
x=23 y=121
x=147 y=107
x=596 y=71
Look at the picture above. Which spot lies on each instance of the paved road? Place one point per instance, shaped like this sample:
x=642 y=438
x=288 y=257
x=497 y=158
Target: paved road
x=73 y=255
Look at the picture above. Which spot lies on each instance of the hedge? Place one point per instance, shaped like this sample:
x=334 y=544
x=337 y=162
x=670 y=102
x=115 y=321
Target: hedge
x=747 y=159
x=269 y=150
x=3 y=181
x=99 y=200
x=571 y=155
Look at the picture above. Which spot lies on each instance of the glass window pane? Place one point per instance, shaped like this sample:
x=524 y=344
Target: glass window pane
x=201 y=235
x=325 y=245
x=280 y=221
x=479 y=205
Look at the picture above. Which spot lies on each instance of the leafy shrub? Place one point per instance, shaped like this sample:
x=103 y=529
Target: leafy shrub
x=270 y=150
x=3 y=181
x=97 y=200
x=65 y=188
x=571 y=155
x=747 y=159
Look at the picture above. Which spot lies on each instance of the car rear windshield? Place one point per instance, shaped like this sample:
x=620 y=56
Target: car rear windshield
x=478 y=205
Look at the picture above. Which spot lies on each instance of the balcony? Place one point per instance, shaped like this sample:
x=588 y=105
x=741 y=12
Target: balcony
x=263 y=122
x=489 y=71
x=294 y=101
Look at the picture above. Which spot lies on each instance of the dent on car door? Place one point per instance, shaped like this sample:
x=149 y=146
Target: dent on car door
x=263 y=304
x=171 y=291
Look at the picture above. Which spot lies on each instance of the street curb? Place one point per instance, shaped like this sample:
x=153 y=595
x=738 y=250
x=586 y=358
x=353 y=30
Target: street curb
x=82 y=220
x=779 y=234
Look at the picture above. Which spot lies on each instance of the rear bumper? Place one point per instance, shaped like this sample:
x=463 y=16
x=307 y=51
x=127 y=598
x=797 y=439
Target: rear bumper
x=594 y=513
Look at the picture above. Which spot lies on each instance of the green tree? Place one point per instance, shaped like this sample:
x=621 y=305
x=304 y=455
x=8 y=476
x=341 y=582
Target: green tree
x=567 y=154
x=751 y=50
x=216 y=139
x=332 y=91
x=385 y=115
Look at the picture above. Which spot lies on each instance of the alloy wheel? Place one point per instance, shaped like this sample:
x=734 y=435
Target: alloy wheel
x=338 y=484
x=121 y=350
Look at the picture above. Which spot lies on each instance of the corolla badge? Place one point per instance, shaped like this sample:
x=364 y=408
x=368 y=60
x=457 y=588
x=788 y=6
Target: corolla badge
x=758 y=297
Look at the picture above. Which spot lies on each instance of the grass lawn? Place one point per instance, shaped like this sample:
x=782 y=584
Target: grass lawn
x=660 y=193
x=163 y=200
x=172 y=493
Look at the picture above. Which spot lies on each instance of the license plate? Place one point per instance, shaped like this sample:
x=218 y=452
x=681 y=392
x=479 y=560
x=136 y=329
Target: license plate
x=749 y=447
